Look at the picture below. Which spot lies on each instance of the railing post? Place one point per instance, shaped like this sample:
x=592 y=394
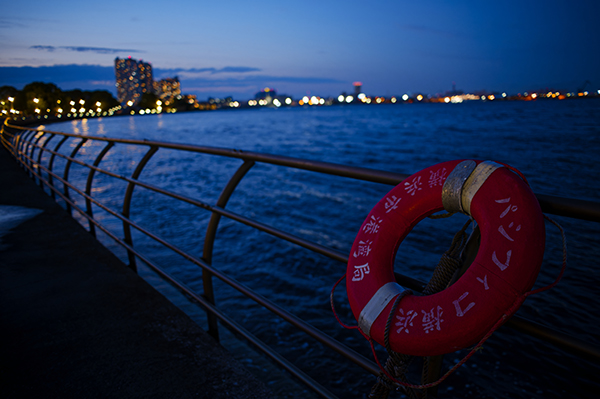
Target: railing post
x=32 y=164
x=22 y=147
x=127 y=204
x=8 y=137
x=41 y=153
x=88 y=185
x=209 y=242
x=51 y=164
x=68 y=168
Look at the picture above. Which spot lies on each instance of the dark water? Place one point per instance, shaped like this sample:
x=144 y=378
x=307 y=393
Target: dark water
x=555 y=144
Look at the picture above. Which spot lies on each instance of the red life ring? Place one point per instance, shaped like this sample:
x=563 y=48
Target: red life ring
x=506 y=266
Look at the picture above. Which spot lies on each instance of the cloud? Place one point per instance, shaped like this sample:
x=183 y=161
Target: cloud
x=241 y=69
x=99 y=50
x=199 y=72
x=44 y=48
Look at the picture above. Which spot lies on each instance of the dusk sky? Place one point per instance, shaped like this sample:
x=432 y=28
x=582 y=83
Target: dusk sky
x=319 y=47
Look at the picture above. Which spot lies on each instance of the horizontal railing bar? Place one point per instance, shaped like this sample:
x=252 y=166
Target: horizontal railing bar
x=570 y=207
x=276 y=309
x=569 y=344
x=280 y=360
x=578 y=209
x=562 y=340
x=332 y=253
x=366 y=174
x=581 y=209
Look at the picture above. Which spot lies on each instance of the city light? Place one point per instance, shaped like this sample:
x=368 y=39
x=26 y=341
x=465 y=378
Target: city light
x=268 y=97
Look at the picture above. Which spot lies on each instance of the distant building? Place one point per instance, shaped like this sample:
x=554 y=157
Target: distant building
x=268 y=96
x=168 y=90
x=133 y=80
x=357 y=88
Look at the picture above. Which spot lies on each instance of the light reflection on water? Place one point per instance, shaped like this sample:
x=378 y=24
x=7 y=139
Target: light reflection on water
x=555 y=144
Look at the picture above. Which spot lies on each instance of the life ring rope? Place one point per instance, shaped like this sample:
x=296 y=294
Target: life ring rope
x=477 y=347
x=460 y=190
x=506 y=265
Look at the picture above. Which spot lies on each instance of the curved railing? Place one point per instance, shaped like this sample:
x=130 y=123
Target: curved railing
x=29 y=145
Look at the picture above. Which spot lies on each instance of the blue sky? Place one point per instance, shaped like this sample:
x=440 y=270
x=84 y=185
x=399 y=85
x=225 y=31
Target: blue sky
x=317 y=47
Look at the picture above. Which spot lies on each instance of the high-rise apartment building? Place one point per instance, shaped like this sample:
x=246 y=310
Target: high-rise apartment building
x=133 y=79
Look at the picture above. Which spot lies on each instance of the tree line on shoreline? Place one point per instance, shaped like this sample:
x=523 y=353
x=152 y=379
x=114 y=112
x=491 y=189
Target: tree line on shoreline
x=46 y=99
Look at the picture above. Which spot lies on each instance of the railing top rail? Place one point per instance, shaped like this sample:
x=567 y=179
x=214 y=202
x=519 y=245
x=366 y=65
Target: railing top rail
x=33 y=138
x=563 y=206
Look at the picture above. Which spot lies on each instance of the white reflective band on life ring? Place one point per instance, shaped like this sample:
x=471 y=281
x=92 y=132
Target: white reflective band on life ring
x=474 y=183
x=452 y=189
x=375 y=306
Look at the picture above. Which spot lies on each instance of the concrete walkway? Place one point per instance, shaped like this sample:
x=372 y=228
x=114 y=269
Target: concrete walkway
x=77 y=323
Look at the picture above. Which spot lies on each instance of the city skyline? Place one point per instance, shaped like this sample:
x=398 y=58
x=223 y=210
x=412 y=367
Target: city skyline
x=236 y=49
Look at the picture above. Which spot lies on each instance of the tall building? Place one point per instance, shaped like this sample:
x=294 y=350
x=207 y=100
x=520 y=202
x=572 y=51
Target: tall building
x=133 y=79
x=357 y=88
x=168 y=89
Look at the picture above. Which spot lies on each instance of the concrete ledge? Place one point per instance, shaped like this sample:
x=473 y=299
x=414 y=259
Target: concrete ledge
x=76 y=322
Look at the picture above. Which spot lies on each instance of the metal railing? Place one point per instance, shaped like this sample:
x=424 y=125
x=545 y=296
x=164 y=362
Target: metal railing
x=29 y=145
